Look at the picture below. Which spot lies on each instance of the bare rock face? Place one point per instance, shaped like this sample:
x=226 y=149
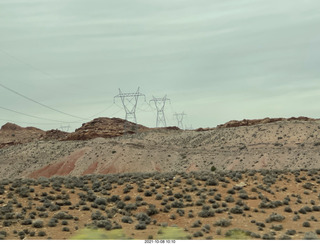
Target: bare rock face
x=12 y=134
x=55 y=135
x=248 y=122
x=11 y=126
x=104 y=127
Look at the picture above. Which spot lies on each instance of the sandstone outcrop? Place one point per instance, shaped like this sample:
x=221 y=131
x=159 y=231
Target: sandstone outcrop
x=106 y=128
x=249 y=122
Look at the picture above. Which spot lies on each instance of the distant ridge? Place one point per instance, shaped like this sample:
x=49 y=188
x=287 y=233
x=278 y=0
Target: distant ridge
x=248 y=122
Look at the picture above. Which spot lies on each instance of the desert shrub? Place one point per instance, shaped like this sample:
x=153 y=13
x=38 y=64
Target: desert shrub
x=103 y=224
x=229 y=198
x=236 y=210
x=274 y=217
x=140 y=226
x=37 y=224
x=318 y=231
x=217 y=197
x=173 y=216
x=177 y=204
x=261 y=225
x=97 y=216
x=93 y=205
x=223 y=223
x=200 y=202
x=306 y=224
x=308 y=186
x=100 y=201
x=85 y=208
x=296 y=217
x=54 y=207
x=147 y=193
x=143 y=217
x=291 y=232
x=310 y=236
x=131 y=206
x=215 y=205
x=9 y=216
x=43 y=215
x=190 y=215
x=171 y=199
x=288 y=209
x=316 y=208
x=307 y=209
x=26 y=222
x=268 y=237
x=180 y=212
x=206 y=213
x=152 y=210
x=42 y=233
x=212 y=182
x=66 y=229
x=127 y=219
x=127 y=198
x=243 y=196
x=277 y=227
x=196 y=224
x=62 y=215
x=178 y=195
x=159 y=196
x=52 y=222
x=91 y=197
x=197 y=234
x=139 y=198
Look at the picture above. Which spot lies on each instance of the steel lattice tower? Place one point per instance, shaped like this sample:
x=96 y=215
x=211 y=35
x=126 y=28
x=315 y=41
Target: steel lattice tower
x=179 y=117
x=129 y=102
x=160 y=104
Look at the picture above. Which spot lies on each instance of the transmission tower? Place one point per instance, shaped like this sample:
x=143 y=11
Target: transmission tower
x=65 y=128
x=179 y=117
x=160 y=103
x=129 y=102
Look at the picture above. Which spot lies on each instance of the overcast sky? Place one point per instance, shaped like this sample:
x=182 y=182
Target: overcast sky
x=216 y=60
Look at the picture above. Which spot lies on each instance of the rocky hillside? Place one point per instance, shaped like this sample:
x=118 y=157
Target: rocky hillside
x=249 y=122
x=12 y=134
x=282 y=144
x=105 y=128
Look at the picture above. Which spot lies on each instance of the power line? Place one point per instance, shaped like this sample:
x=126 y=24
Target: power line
x=43 y=105
x=32 y=116
x=102 y=111
x=27 y=64
x=20 y=122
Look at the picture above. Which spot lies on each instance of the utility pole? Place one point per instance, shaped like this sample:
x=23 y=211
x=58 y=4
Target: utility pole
x=160 y=103
x=179 y=117
x=129 y=102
